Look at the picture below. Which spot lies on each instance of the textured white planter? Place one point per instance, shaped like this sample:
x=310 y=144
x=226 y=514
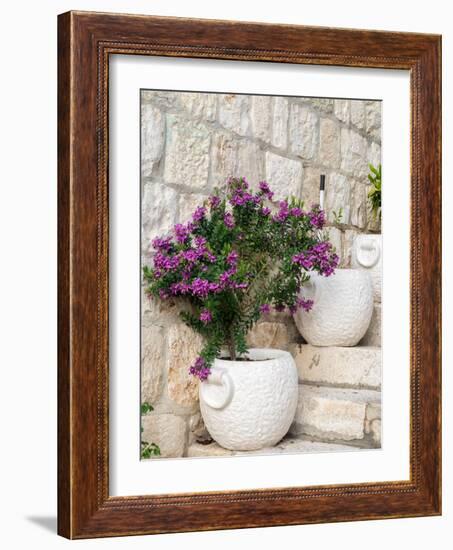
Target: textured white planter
x=248 y=405
x=343 y=305
x=367 y=255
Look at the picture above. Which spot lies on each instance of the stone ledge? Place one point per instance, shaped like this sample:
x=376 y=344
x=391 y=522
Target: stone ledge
x=287 y=445
x=352 y=367
x=336 y=414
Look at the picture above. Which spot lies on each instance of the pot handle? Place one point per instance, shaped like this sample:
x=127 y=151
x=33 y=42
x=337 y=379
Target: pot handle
x=367 y=253
x=218 y=377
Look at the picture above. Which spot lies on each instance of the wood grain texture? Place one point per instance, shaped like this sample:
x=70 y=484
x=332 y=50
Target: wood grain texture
x=85 y=42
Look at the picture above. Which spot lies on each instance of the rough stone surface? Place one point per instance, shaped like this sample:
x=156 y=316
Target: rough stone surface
x=153 y=138
x=348 y=244
x=233 y=112
x=268 y=335
x=188 y=203
x=373 y=334
x=358 y=366
x=200 y=105
x=310 y=186
x=158 y=213
x=287 y=445
x=354 y=154
x=332 y=413
x=223 y=158
x=342 y=110
x=373 y=119
x=303 y=131
x=338 y=197
x=153 y=362
x=184 y=345
x=280 y=123
x=335 y=237
x=329 y=143
x=358 y=114
x=186 y=152
x=167 y=431
x=285 y=175
x=358 y=204
x=261 y=117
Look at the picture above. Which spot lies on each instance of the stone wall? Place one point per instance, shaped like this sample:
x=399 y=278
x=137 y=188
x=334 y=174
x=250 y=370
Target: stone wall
x=191 y=143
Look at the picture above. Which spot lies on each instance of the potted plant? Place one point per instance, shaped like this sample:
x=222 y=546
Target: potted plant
x=236 y=259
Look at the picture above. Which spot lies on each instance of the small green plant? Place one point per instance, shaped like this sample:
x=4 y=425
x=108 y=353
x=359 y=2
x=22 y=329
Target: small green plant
x=374 y=195
x=337 y=216
x=147 y=450
x=146 y=408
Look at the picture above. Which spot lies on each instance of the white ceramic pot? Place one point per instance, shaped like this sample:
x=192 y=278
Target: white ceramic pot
x=248 y=405
x=367 y=255
x=343 y=305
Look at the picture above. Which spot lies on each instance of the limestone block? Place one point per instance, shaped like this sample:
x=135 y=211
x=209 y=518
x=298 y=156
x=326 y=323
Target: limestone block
x=199 y=105
x=342 y=110
x=184 y=345
x=233 y=112
x=358 y=366
x=280 y=123
x=188 y=203
x=284 y=176
x=152 y=363
x=161 y=98
x=321 y=104
x=224 y=153
x=249 y=162
x=329 y=143
x=261 y=117
x=152 y=138
x=268 y=335
x=310 y=186
x=335 y=237
x=374 y=154
x=303 y=131
x=354 y=154
x=373 y=119
x=348 y=243
x=332 y=413
x=358 y=203
x=167 y=431
x=186 y=152
x=358 y=113
x=373 y=334
x=159 y=205
x=337 y=197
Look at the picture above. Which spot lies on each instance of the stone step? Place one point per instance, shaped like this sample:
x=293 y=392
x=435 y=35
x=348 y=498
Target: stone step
x=288 y=445
x=333 y=414
x=358 y=367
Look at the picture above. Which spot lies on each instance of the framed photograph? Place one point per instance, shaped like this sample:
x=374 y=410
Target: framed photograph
x=249 y=319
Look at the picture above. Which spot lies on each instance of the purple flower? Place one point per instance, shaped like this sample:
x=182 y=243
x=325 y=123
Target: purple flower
x=317 y=218
x=214 y=201
x=304 y=304
x=232 y=258
x=165 y=263
x=191 y=255
x=265 y=211
x=228 y=220
x=161 y=244
x=199 y=214
x=265 y=190
x=181 y=232
x=205 y=316
x=279 y=307
x=283 y=212
x=265 y=309
x=296 y=212
x=200 y=287
x=200 y=369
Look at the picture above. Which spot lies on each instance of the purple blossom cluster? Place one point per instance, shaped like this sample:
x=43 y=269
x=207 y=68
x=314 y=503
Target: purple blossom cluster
x=200 y=369
x=201 y=260
x=320 y=256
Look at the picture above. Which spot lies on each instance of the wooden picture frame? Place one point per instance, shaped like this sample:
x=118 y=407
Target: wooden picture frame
x=85 y=42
